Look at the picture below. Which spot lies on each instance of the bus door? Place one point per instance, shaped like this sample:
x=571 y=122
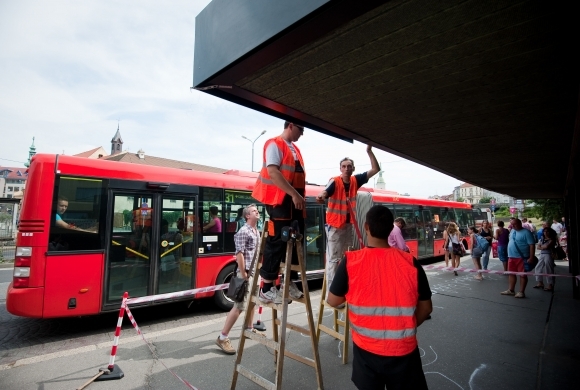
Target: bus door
x=150 y=250
x=314 y=238
x=426 y=235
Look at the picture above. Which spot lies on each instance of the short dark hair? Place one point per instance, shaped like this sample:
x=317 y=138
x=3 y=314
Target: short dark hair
x=346 y=159
x=500 y=224
x=62 y=197
x=213 y=210
x=473 y=229
x=286 y=124
x=380 y=221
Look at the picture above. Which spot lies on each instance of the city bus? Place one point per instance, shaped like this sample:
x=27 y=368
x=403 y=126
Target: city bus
x=139 y=228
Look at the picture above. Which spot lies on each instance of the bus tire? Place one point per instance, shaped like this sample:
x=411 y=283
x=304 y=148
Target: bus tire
x=220 y=297
x=465 y=244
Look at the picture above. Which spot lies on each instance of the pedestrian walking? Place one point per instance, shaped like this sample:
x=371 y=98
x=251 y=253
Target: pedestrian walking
x=547 y=246
x=487 y=233
x=502 y=235
x=247 y=242
x=455 y=246
x=396 y=239
x=388 y=297
x=476 y=251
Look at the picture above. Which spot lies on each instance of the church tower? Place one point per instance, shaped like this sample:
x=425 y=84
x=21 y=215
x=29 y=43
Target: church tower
x=117 y=143
x=380 y=185
x=31 y=153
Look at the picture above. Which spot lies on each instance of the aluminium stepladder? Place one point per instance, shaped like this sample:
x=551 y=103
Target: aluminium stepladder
x=278 y=343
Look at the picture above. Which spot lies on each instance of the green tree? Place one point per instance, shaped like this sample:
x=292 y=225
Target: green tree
x=171 y=216
x=460 y=199
x=485 y=199
x=502 y=211
x=127 y=217
x=546 y=209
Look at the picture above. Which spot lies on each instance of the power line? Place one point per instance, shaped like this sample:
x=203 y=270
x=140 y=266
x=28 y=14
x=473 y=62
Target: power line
x=5 y=159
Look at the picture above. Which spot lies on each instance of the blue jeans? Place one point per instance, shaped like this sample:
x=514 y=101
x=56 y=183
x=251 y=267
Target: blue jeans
x=485 y=257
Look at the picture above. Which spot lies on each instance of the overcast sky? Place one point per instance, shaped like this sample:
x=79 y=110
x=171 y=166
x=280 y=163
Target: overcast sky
x=69 y=70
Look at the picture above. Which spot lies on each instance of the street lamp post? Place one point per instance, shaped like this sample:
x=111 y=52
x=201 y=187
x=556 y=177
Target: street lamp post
x=253 y=142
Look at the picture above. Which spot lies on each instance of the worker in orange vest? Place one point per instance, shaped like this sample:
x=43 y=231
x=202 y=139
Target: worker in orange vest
x=339 y=228
x=281 y=187
x=388 y=297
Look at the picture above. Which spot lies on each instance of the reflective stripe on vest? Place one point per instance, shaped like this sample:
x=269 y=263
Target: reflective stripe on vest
x=382 y=311
x=384 y=334
x=337 y=206
x=265 y=191
x=382 y=298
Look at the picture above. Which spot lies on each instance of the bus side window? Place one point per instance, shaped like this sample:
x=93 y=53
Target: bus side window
x=75 y=222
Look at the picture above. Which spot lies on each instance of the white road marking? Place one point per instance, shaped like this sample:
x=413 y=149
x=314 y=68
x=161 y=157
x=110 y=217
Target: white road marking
x=107 y=344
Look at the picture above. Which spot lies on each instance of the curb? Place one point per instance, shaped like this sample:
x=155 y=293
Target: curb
x=7 y=265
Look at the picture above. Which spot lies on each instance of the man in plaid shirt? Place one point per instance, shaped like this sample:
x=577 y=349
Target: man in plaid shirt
x=247 y=241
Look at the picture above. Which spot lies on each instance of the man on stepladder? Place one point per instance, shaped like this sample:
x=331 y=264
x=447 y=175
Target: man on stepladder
x=388 y=297
x=339 y=227
x=247 y=241
x=281 y=187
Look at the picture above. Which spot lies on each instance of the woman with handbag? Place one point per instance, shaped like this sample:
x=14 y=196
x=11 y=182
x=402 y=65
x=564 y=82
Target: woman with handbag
x=547 y=246
x=476 y=251
x=454 y=245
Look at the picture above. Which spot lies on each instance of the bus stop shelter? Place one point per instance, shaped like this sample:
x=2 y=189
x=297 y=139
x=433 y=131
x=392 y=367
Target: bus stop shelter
x=438 y=83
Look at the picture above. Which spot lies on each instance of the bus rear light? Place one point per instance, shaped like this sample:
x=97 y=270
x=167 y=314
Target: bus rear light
x=21 y=262
x=20 y=282
x=24 y=251
x=21 y=277
x=21 y=272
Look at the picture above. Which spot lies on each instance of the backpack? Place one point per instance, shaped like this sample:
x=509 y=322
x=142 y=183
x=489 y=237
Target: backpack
x=482 y=242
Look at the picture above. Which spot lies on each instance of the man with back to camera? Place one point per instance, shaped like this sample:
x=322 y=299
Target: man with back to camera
x=388 y=297
x=339 y=227
x=281 y=186
x=247 y=241
x=521 y=249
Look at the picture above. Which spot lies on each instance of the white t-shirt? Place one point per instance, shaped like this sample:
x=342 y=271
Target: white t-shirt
x=274 y=154
x=557 y=227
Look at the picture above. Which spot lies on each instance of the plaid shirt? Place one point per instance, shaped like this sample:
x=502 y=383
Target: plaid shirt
x=247 y=240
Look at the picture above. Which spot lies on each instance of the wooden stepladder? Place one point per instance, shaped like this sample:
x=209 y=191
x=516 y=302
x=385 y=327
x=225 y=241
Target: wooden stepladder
x=278 y=343
x=337 y=322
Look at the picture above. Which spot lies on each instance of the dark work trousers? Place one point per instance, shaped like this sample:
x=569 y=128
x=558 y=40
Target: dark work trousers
x=275 y=248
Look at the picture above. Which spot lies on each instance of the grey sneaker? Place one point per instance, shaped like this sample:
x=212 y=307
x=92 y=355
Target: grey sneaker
x=225 y=346
x=294 y=292
x=272 y=296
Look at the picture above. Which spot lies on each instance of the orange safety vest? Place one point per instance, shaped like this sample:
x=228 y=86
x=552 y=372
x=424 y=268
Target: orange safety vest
x=337 y=207
x=265 y=191
x=382 y=298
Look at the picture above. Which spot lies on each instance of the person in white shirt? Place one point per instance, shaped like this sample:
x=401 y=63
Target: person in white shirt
x=557 y=226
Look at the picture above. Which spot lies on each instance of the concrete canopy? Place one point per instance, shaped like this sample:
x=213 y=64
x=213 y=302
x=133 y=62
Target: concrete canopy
x=485 y=91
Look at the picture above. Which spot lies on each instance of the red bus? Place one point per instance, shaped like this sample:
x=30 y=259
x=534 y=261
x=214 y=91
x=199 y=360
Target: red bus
x=137 y=228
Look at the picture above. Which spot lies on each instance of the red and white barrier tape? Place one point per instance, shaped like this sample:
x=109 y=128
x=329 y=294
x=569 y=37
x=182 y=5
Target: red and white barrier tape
x=134 y=323
x=152 y=298
x=118 y=332
x=491 y=271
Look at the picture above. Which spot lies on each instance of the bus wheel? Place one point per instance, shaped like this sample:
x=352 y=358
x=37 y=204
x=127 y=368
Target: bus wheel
x=220 y=297
x=465 y=244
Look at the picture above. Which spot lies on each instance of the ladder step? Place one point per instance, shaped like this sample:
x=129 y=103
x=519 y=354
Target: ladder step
x=331 y=332
x=280 y=307
x=341 y=323
x=295 y=327
x=300 y=358
x=262 y=340
x=293 y=267
x=266 y=384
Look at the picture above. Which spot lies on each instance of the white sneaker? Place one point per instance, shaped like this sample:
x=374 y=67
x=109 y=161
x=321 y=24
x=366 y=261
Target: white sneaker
x=271 y=296
x=294 y=292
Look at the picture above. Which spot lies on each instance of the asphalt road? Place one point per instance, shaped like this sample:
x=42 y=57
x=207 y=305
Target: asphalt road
x=22 y=338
